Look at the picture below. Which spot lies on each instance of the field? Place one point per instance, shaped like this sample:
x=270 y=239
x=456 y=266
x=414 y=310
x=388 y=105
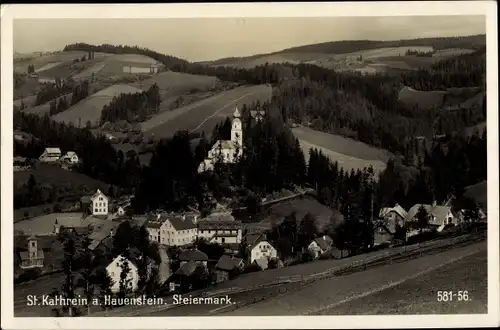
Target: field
x=350 y=154
x=326 y=296
x=275 y=213
x=418 y=296
x=386 y=59
x=90 y=108
x=48 y=61
x=48 y=174
x=411 y=97
x=205 y=114
x=43 y=109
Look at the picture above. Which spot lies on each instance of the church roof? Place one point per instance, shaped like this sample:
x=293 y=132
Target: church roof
x=236 y=113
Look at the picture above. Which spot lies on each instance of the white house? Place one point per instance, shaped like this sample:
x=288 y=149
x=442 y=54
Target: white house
x=174 y=229
x=96 y=204
x=262 y=250
x=226 y=151
x=70 y=157
x=392 y=217
x=50 y=155
x=320 y=245
x=439 y=215
x=114 y=270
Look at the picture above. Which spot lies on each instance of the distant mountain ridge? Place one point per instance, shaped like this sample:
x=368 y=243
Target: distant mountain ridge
x=474 y=42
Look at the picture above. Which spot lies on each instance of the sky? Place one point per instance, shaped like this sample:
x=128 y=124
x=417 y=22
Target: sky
x=203 y=39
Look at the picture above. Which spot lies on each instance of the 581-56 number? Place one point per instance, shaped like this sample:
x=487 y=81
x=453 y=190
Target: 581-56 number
x=451 y=296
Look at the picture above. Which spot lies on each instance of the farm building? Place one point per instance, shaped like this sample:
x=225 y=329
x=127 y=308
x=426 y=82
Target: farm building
x=226 y=151
x=50 y=155
x=20 y=164
x=193 y=255
x=320 y=245
x=144 y=68
x=96 y=204
x=70 y=157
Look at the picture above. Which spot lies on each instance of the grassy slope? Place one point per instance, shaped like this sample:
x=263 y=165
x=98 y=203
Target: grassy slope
x=205 y=114
x=349 y=153
x=90 y=108
x=334 y=291
x=418 y=296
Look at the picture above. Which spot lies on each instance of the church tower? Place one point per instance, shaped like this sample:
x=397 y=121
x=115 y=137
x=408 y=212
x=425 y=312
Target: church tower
x=236 y=130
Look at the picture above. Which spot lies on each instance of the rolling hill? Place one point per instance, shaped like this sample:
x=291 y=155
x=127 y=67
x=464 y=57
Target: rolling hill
x=90 y=108
x=365 y=56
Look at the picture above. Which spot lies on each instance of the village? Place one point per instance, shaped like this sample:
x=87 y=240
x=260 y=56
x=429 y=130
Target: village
x=192 y=250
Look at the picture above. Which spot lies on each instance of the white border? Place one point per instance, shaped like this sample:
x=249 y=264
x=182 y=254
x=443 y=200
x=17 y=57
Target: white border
x=488 y=8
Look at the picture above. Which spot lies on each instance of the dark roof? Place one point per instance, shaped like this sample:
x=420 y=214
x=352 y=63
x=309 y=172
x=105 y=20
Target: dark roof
x=225 y=235
x=228 y=263
x=187 y=269
x=180 y=224
x=192 y=255
x=324 y=242
x=218 y=225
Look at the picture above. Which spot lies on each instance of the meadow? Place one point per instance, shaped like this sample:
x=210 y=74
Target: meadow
x=90 y=108
x=205 y=114
x=424 y=99
x=350 y=154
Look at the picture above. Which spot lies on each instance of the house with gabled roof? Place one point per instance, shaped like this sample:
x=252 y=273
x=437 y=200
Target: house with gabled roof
x=97 y=204
x=439 y=215
x=50 y=155
x=320 y=245
x=172 y=229
x=70 y=157
x=261 y=251
x=226 y=266
x=114 y=270
x=392 y=217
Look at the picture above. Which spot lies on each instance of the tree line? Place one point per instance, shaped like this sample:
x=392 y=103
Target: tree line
x=133 y=107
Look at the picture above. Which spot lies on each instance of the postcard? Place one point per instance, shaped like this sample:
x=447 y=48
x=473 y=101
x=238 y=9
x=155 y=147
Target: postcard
x=250 y=166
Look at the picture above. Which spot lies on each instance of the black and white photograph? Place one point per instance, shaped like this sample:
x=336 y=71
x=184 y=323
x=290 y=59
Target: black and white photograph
x=216 y=166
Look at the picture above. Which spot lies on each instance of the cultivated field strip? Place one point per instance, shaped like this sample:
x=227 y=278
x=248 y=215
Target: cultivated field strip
x=206 y=112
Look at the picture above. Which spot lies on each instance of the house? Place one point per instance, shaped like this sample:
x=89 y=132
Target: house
x=261 y=251
x=33 y=257
x=70 y=157
x=439 y=215
x=120 y=211
x=50 y=155
x=226 y=151
x=172 y=229
x=193 y=255
x=226 y=266
x=381 y=234
x=114 y=270
x=96 y=204
x=320 y=245
x=392 y=217
x=156 y=68
x=220 y=228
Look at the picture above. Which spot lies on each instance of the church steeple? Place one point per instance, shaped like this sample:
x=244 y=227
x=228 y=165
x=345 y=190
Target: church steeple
x=237 y=130
x=236 y=113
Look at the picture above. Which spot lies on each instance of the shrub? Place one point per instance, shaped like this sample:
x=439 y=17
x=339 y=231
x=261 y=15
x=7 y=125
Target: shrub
x=29 y=275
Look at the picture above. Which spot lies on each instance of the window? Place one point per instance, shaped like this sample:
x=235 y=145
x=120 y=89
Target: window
x=100 y=198
x=95 y=210
x=33 y=244
x=112 y=274
x=223 y=240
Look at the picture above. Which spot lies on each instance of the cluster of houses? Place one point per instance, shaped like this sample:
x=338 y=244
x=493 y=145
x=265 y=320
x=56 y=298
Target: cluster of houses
x=185 y=229
x=439 y=217
x=49 y=156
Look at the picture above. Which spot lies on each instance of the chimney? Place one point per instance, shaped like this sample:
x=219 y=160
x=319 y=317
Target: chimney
x=434 y=203
x=324 y=237
x=158 y=216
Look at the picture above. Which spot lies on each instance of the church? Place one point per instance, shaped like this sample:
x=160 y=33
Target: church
x=226 y=151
